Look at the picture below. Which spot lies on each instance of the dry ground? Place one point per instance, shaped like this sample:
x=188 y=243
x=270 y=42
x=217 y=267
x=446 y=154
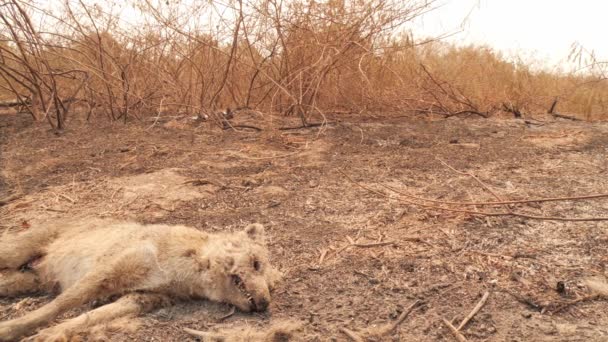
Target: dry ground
x=291 y=181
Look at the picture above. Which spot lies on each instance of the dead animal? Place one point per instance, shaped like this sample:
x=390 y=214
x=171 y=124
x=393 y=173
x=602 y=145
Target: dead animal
x=145 y=266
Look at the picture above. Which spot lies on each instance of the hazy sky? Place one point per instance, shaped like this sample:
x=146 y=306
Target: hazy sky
x=544 y=29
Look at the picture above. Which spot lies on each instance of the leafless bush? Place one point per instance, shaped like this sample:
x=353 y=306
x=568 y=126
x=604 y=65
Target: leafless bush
x=296 y=57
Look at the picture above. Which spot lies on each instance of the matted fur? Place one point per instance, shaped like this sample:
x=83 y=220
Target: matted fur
x=282 y=331
x=146 y=266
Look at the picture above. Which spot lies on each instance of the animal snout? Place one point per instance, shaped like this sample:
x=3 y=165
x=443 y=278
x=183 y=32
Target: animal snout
x=262 y=304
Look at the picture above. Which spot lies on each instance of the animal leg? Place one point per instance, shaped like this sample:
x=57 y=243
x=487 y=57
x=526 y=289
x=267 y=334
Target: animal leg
x=135 y=269
x=17 y=249
x=131 y=304
x=14 y=283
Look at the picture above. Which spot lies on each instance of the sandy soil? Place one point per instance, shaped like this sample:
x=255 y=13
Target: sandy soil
x=352 y=258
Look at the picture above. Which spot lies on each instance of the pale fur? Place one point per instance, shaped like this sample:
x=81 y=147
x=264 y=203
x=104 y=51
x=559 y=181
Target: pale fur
x=146 y=266
x=281 y=331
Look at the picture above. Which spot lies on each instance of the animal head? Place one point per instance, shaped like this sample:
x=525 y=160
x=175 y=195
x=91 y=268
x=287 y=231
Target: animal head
x=240 y=269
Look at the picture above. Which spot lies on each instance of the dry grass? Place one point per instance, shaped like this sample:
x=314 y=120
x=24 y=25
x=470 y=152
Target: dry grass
x=298 y=57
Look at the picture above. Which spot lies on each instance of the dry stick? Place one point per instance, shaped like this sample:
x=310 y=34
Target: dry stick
x=322 y=257
x=7 y=200
x=479 y=213
x=454 y=331
x=197 y=333
x=483 y=185
x=67 y=198
x=475 y=310
x=270 y=157
x=531 y=200
x=353 y=335
x=377 y=244
x=402 y=317
x=385 y=329
x=228 y=315
x=472 y=176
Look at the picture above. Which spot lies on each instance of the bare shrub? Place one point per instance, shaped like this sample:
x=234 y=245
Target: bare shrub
x=297 y=57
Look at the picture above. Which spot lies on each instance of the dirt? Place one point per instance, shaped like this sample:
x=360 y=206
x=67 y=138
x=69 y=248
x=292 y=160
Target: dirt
x=307 y=187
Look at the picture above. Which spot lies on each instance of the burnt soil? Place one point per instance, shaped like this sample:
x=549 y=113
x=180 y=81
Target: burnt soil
x=307 y=187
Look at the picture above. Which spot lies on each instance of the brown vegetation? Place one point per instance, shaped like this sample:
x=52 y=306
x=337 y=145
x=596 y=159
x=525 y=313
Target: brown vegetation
x=304 y=58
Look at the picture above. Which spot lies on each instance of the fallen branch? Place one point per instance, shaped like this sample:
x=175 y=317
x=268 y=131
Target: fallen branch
x=310 y=125
x=509 y=107
x=483 y=185
x=454 y=331
x=197 y=333
x=322 y=257
x=558 y=115
x=67 y=198
x=475 y=310
x=265 y=158
x=525 y=300
x=6 y=200
x=561 y=306
x=567 y=117
x=393 y=326
x=228 y=315
x=352 y=335
x=372 y=333
x=477 y=213
x=490 y=203
x=375 y=244
x=233 y=127
x=483 y=115
x=201 y=182
x=13 y=103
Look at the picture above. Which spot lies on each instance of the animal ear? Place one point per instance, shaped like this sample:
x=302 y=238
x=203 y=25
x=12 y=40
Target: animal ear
x=255 y=232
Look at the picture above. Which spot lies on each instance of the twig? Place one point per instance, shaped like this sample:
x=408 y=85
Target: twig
x=479 y=213
x=483 y=185
x=454 y=331
x=201 y=182
x=160 y=107
x=67 y=198
x=228 y=315
x=567 y=117
x=376 y=244
x=322 y=257
x=233 y=127
x=271 y=157
x=373 y=333
x=475 y=310
x=558 y=307
x=391 y=327
x=310 y=125
x=530 y=200
x=197 y=333
x=10 y=198
x=352 y=335
x=525 y=300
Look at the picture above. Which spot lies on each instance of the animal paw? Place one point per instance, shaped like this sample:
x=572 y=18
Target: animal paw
x=7 y=332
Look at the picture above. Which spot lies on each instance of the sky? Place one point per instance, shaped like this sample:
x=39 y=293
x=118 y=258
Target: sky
x=541 y=32
x=537 y=30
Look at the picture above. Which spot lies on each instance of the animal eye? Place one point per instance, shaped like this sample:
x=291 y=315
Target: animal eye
x=256 y=265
